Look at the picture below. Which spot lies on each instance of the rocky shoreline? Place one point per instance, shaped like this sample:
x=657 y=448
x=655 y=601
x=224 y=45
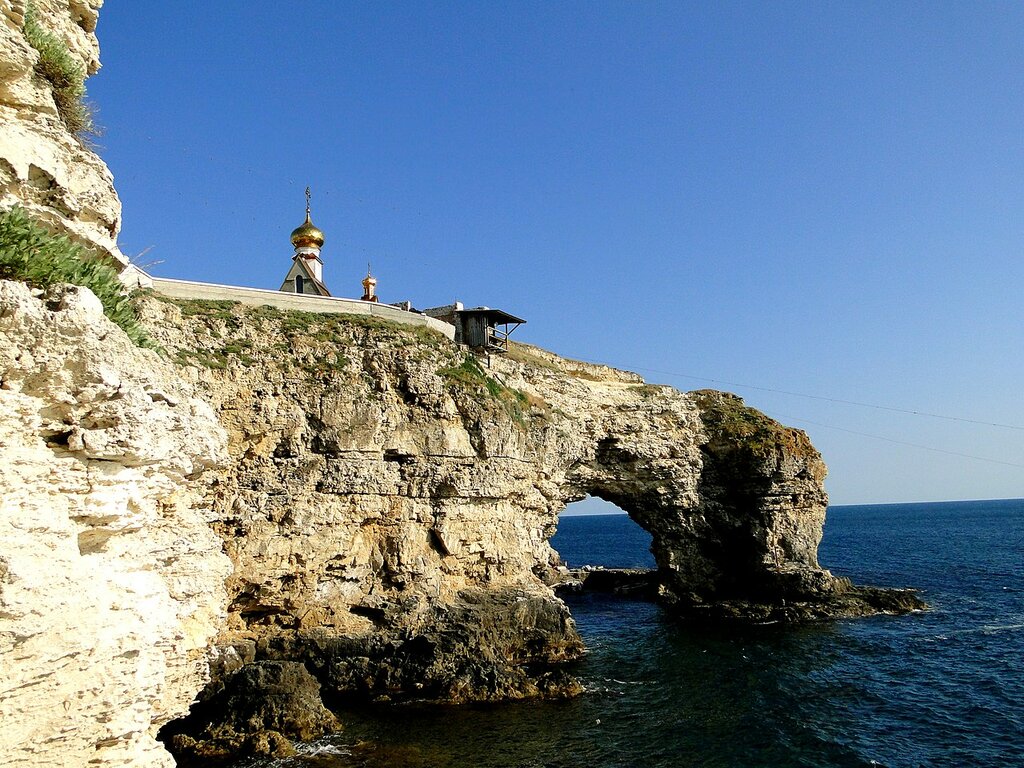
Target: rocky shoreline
x=259 y=707
x=843 y=600
x=375 y=531
x=283 y=510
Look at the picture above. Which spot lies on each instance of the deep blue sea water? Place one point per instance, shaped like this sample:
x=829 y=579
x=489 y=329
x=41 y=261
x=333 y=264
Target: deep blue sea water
x=941 y=688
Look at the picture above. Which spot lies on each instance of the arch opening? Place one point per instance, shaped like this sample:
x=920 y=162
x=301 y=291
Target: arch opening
x=600 y=548
x=596 y=533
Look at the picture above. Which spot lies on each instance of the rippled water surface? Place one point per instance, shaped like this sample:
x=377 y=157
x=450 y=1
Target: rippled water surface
x=942 y=688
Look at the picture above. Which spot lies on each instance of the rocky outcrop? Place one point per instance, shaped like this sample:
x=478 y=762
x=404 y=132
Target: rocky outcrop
x=632 y=583
x=376 y=533
x=389 y=499
x=255 y=710
x=370 y=519
x=44 y=168
x=111 y=581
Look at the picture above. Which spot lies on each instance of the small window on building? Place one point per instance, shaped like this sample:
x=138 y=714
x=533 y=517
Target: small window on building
x=299 y=287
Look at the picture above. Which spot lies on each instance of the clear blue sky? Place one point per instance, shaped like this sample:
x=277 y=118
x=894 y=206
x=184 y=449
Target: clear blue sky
x=824 y=198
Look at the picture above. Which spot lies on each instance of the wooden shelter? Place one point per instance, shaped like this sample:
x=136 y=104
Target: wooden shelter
x=486 y=328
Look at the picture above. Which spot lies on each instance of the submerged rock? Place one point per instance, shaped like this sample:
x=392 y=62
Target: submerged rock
x=634 y=583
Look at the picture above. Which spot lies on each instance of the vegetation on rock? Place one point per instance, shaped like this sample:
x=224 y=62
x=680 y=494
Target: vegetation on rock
x=32 y=254
x=315 y=343
x=578 y=369
x=524 y=354
x=65 y=74
x=318 y=326
x=729 y=421
x=470 y=377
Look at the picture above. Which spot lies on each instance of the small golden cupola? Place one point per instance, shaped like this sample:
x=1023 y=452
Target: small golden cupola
x=306 y=273
x=307 y=234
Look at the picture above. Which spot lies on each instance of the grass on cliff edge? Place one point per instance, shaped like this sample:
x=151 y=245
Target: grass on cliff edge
x=65 y=74
x=30 y=253
x=223 y=319
x=470 y=376
x=729 y=420
x=335 y=327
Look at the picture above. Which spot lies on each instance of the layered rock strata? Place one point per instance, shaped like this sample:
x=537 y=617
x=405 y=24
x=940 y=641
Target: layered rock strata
x=390 y=496
x=45 y=169
x=369 y=518
x=111 y=581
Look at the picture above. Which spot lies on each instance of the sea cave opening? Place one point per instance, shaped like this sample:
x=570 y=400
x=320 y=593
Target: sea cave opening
x=608 y=582
x=603 y=551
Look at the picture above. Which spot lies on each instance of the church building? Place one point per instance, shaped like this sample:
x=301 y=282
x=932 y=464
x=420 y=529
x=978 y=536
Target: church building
x=306 y=273
x=481 y=328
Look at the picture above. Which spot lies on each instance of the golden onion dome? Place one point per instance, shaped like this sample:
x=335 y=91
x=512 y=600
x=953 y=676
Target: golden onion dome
x=307 y=235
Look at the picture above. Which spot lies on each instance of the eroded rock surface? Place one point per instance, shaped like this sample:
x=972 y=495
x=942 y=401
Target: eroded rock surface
x=111 y=581
x=389 y=499
x=374 y=521
x=257 y=709
x=370 y=519
x=45 y=169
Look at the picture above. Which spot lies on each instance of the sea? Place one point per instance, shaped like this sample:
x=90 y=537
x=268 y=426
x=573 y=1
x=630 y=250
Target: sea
x=944 y=687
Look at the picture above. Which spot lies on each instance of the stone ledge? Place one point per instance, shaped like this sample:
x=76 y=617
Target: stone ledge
x=188 y=289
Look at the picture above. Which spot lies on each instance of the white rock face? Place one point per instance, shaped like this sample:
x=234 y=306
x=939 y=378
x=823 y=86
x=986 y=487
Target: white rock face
x=44 y=168
x=389 y=499
x=111 y=583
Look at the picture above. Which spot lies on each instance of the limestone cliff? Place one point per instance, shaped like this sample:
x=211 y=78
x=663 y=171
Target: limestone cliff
x=294 y=496
x=111 y=582
x=373 y=509
x=388 y=500
x=44 y=167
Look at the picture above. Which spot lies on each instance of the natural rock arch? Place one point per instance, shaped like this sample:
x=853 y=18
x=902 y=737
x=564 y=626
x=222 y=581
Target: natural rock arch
x=388 y=514
x=734 y=515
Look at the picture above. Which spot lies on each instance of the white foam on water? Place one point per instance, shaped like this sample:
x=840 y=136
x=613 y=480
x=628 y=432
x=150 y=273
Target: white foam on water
x=993 y=628
x=314 y=748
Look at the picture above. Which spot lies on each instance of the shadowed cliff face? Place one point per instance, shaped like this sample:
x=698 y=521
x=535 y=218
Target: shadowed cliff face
x=390 y=499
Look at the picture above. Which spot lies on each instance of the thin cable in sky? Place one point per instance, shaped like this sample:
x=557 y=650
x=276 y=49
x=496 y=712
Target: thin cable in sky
x=900 y=442
x=818 y=397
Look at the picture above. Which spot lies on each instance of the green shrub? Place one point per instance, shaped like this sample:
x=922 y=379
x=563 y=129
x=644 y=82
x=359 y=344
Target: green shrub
x=647 y=390
x=32 y=254
x=470 y=377
x=208 y=359
x=63 y=72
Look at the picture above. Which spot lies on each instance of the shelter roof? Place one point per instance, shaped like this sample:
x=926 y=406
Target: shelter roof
x=496 y=316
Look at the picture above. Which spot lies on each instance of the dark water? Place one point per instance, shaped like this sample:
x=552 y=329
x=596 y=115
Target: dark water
x=942 y=688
